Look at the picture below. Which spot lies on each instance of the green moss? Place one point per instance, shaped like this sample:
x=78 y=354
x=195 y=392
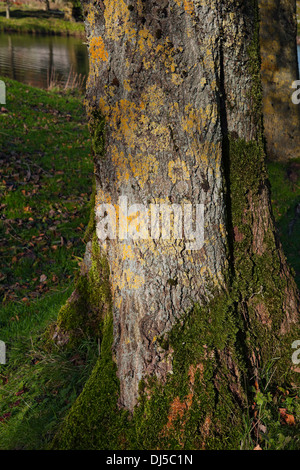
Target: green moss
x=95 y=421
x=91 y=227
x=84 y=312
x=258 y=270
x=199 y=385
x=97 y=131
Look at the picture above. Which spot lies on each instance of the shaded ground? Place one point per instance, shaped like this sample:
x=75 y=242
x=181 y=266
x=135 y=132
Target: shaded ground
x=45 y=185
x=285 y=182
x=45 y=174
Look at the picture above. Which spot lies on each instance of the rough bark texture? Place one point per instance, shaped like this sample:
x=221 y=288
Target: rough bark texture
x=279 y=70
x=174 y=100
x=158 y=93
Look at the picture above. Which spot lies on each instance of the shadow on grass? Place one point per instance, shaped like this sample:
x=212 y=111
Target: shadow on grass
x=285 y=193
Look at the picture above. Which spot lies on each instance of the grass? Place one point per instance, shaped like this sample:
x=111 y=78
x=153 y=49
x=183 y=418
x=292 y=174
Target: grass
x=45 y=186
x=273 y=418
x=38 y=22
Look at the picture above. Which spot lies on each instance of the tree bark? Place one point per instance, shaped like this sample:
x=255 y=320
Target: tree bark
x=279 y=71
x=174 y=101
x=7 y=9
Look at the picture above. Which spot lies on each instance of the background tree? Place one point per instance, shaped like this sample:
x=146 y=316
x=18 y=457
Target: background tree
x=7 y=9
x=174 y=102
x=279 y=70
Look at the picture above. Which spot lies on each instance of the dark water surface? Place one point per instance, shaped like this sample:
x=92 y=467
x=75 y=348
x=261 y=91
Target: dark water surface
x=34 y=60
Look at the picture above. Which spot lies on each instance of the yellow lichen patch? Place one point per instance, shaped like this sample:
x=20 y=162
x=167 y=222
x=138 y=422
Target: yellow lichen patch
x=127 y=252
x=162 y=135
x=215 y=278
x=197 y=119
x=203 y=82
x=138 y=132
x=102 y=197
x=167 y=57
x=190 y=122
x=208 y=60
x=189 y=6
x=91 y=19
x=143 y=167
x=124 y=119
x=206 y=152
x=146 y=40
x=146 y=46
x=222 y=230
x=117 y=20
x=126 y=85
x=178 y=171
x=103 y=106
x=111 y=91
x=154 y=53
x=130 y=280
x=174 y=110
x=153 y=98
x=97 y=50
x=120 y=163
x=139 y=4
x=176 y=79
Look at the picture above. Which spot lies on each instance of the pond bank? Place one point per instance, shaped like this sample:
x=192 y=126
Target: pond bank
x=40 y=22
x=43 y=60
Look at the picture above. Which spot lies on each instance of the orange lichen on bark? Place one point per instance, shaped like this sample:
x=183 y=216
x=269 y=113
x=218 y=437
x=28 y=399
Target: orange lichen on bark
x=97 y=50
x=179 y=409
x=188 y=5
x=117 y=20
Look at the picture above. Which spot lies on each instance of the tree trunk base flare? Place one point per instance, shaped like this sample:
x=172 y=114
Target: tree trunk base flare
x=278 y=33
x=183 y=334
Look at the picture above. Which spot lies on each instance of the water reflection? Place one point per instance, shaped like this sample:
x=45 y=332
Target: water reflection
x=30 y=59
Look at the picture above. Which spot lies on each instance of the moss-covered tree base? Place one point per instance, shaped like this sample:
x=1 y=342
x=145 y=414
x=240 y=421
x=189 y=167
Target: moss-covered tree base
x=218 y=349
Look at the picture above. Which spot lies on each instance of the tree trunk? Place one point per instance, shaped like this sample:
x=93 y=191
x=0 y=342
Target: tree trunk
x=7 y=9
x=279 y=71
x=174 y=101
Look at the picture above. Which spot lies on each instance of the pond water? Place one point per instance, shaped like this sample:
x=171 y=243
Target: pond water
x=35 y=60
